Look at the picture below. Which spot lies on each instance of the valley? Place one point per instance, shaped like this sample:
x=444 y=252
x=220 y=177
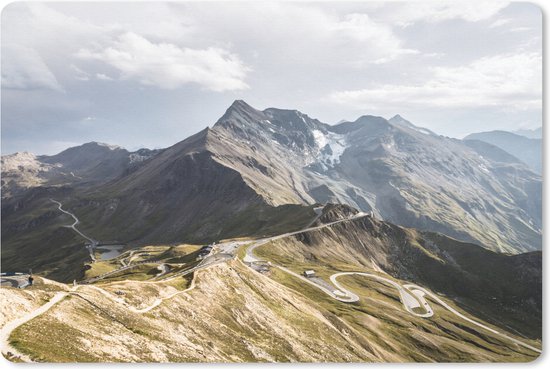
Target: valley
x=235 y=254
x=197 y=182
x=274 y=237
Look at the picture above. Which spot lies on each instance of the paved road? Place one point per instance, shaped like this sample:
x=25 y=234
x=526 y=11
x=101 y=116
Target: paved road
x=410 y=301
x=20 y=280
x=93 y=243
x=338 y=294
x=412 y=296
x=474 y=322
x=230 y=247
x=250 y=258
x=205 y=263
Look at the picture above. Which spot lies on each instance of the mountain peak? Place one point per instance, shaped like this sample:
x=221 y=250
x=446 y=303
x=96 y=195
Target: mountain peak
x=239 y=107
x=240 y=112
x=101 y=144
x=398 y=120
x=362 y=121
x=397 y=117
x=240 y=104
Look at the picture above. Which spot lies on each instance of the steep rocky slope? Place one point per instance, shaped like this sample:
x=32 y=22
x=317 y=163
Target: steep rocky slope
x=260 y=172
x=403 y=173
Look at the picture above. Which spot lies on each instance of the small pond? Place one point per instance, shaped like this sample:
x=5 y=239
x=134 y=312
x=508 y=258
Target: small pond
x=109 y=251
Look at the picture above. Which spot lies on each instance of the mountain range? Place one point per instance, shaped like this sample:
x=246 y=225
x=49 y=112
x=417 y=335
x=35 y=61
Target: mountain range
x=256 y=171
x=437 y=239
x=527 y=146
x=529 y=133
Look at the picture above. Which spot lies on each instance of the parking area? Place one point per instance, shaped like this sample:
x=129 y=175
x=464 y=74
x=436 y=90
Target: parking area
x=17 y=280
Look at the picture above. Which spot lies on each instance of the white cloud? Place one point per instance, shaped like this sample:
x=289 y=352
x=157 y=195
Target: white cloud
x=408 y=13
x=168 y=66
x=304 y=33
x=363 y=30
x=79 y=74
x=507 y=81
x=23 y=68
x=520 y=29
x=433 y=55
x=500 y=22
x=103 y=77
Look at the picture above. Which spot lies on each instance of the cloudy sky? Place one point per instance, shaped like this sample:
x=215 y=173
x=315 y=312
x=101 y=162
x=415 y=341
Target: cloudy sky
x=151 y=74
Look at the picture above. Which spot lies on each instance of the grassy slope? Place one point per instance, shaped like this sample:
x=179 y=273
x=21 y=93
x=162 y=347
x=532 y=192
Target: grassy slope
x=236 y=314
x=34 y=237
x=505 y=290
x=379 y=302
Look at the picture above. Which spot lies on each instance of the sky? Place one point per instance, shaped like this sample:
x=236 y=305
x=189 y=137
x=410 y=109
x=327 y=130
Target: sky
x=151 y=74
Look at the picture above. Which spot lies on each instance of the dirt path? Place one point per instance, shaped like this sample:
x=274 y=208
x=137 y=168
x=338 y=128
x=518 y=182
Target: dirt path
x=7 y=329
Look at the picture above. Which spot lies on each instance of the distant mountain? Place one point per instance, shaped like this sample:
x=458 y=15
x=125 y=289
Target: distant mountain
x=492 y=152
x=399 y=120
x=91 y=163
x=260 y=172
x=528 y=150
x=529 y=133
x=403 y=173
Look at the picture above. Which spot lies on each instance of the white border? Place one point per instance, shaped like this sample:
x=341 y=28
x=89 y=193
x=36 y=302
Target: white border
x=542 y=361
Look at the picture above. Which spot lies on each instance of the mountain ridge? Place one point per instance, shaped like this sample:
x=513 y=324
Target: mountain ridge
x=253 y=171
x=528 y=150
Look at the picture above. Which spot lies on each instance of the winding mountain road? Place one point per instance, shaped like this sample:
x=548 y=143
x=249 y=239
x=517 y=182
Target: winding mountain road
x=93 y=243
x=474 y=322
x=411 y=295
x=409 y=300
x=250 y=258
x=7 y=329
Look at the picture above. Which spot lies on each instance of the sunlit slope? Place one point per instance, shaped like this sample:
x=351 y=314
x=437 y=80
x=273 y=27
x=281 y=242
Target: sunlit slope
x=503 y=289
x=232 y=313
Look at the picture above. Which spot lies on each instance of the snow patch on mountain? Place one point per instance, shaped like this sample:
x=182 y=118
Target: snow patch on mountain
x=331 y=147
x=109 y=146
x=137 y=158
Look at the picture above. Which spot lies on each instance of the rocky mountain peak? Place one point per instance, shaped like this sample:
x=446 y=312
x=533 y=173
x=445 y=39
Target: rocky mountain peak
x=293 y=120
x=399 y=121
x=240 y=113
x=363 y=121
x=101 y=145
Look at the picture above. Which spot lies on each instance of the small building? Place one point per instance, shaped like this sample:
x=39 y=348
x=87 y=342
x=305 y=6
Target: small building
x=309 y=273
